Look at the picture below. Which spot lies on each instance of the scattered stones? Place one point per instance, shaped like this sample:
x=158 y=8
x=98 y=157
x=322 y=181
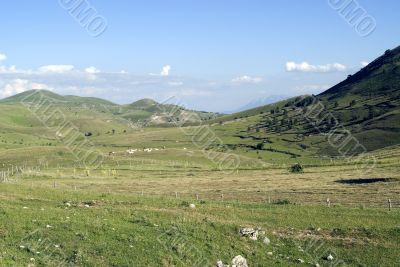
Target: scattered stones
x=249 y=232
x=266 y=241
x=68 y=204
x=239 y=261
x=330 y=257
x=317 y=265
x=87 y=206
x=220 y=264
x=49 y=226
x=192 y=206
x=300 y=261
x=270 y=253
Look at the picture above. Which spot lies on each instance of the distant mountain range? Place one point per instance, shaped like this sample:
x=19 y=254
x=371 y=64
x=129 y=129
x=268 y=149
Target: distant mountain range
x=261 y=102
x=145 y=111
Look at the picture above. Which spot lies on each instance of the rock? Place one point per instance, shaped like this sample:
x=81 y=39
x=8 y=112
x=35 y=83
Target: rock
x=221 y=264
x=330 y=257
x=317 y=265
x=239 y=261
x=270 y=253
x=300 y=261
x=68 y=204
x=249 y=232
x=192 y=206
x=266 y=241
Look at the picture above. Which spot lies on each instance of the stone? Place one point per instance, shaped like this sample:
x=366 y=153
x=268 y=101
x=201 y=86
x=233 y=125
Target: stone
x=249 y=232
x=192 y=206
x=266 y=241
x=330 y=257
x=239 y=261
x=270 y=253
x=220 y=264
x=300 y=261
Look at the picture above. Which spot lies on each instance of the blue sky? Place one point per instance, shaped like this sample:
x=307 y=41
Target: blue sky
x=216 y=55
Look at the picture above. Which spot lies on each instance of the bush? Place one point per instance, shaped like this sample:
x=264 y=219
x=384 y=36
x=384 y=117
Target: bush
x=282 y=202
x=296 y=168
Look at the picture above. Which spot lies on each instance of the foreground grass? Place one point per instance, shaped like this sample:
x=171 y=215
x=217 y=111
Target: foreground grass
x=125 y=230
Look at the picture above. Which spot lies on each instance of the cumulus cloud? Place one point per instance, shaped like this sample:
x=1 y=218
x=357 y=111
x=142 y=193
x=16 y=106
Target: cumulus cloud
x=92 y=70
x=247 y=79
x=165 y=70
x=17 y=86
x=364 y=64
x=2 y=57
x=307 y=67
x=56 y=68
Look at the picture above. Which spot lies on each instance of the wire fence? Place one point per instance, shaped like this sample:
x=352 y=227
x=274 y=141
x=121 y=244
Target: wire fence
x=389 y=201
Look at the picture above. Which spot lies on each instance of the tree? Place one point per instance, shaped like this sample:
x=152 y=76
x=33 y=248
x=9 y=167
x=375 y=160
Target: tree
x=260 y=146
x=370 y=112
x=296 y=168
x=336 y=104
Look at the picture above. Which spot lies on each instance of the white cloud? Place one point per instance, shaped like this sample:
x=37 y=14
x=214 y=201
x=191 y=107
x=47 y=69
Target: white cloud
x=2 y=57
x=165 y=70
x=364 y=63
x=307 y=67
x=56 y=68
x=92 y=70
x=247 y=79
x=19 y=85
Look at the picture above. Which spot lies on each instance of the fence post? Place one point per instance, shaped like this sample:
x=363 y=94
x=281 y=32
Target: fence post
x=390 y=204
x=328 y=202
x=197 y=196
x=222 y=197
x=176 y=194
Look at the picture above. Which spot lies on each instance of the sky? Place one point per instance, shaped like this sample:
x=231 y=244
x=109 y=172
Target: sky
x=214 y=55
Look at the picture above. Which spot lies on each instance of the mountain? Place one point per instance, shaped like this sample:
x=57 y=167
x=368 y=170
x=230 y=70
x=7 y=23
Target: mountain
x=366 y=104
x=261 y=102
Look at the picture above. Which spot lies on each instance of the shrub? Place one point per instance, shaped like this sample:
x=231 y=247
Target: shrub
x=282 y=202
x=296 y=168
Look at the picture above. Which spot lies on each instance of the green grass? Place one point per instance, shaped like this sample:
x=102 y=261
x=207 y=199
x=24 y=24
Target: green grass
x=126 y=230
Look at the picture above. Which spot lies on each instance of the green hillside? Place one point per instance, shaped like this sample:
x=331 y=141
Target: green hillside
x=365 y=104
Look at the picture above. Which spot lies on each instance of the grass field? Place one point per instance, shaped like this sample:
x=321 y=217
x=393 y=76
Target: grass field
x=134 y=210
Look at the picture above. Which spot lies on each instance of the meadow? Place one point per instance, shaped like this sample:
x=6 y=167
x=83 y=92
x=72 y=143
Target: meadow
x=134 y=210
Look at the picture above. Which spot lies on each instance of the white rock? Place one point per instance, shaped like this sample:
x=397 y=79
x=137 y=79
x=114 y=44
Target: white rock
x=249 y=232
x=266 y=241
x=300 y=261
x=239 y=261
x=68 y=204
x=220 y=264
x=48 y=226
x=330 y=257
x=87 y=206
x=192 y=206
x=317 y=265
x=270 y=253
